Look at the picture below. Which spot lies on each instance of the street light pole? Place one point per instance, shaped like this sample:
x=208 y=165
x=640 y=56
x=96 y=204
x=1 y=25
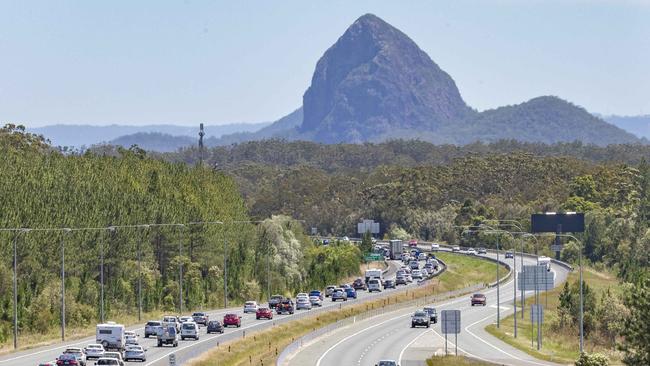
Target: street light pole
x=180 y=273
x=498 y=281
x=15 y=292
x=225 y=271
x=65 y=231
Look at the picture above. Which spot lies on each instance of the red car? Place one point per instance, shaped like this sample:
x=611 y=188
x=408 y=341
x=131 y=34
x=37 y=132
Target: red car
x=232 y=319
x=265 y=313
x=413 y=243
x=478 y=299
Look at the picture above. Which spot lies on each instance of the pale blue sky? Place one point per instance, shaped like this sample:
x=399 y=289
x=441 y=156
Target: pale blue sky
x=185 y=62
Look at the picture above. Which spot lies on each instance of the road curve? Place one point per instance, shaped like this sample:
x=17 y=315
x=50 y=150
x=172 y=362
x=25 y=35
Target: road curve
x=390 y=336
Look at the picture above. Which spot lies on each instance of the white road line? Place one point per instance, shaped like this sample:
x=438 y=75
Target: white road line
x=399 y=359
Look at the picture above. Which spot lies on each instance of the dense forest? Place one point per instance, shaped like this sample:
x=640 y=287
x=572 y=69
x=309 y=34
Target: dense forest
x=42 y=188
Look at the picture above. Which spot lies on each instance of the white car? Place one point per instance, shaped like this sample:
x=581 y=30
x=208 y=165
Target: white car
x=374 y=285
x=107 y=362
x=94 y=350
x=422 y=257
x=185 y=319
x=303 y=303
x=472 y=251
x=425 y=273
x=416 y=274
x=455 y=249
x=302 y=295
x=130 y=339
x=190 y=330
x=409 y=278
x=315 y=301
x=250 y=307
x=435 y=247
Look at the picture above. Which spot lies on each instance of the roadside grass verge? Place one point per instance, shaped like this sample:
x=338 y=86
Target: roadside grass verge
x=558 y=345
x=263 y=347
x=455 y=361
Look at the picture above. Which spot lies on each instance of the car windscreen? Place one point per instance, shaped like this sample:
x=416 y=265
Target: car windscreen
x=188 y=326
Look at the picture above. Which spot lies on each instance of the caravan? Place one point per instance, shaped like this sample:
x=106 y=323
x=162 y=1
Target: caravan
x=111 y=336
x=546 y=261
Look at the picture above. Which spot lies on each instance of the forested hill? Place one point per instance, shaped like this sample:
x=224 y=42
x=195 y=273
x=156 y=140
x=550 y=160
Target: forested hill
x=356 y=157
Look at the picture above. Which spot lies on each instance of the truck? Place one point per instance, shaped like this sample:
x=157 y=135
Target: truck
x=396 y=247
x=168 y=335
x=111 y=336
x=373 y=273
x=545 y=261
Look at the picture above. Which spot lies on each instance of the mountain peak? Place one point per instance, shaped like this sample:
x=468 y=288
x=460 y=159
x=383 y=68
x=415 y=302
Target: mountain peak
x=374 y=80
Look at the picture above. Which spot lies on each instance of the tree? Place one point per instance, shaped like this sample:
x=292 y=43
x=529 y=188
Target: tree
x=592 y=359
x=636 y=333
x=366 y=243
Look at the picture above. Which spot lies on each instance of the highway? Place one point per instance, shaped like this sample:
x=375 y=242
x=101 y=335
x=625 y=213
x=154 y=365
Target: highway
x=389 y=336
x=189 y=348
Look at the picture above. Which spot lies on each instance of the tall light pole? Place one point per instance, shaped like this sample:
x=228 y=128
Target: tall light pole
x=180 y=272
x=65 y=232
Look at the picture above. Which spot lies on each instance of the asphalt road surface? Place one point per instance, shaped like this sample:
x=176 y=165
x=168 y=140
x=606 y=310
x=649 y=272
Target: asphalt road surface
x=390 y=336
x=189 y=348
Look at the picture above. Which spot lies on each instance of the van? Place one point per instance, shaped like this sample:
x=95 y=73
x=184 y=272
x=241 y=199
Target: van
x=374 y=285
x=111 y=336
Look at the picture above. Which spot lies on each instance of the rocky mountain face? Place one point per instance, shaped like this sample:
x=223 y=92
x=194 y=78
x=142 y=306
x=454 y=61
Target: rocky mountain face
x=375 y=79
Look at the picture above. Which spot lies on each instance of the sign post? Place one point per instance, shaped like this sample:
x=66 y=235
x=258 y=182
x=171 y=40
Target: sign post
x=450 y=323
x=537 y=316
x=172 y=359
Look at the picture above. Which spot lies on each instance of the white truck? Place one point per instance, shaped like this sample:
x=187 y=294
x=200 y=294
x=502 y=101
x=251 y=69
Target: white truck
x=374 y=273
x=545 y=261
x=396 y=247
x=111 y=336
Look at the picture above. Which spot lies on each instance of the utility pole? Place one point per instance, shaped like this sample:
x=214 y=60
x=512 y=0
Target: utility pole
x=65 y=231
x=180 y=274
x=15 y=292
x=225 y=271
x=498 y=299
x=201 y=134
x=514 y=285
x=139 y=282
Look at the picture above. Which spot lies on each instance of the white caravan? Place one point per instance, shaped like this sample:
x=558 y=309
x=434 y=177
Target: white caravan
x=111 y=336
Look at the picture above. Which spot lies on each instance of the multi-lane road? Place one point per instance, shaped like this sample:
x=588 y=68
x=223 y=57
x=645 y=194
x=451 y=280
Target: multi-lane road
x=389 y=336
x=189 y=348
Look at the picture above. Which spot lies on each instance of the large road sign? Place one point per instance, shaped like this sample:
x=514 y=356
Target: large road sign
x=368 y=225
x=535 y=277
x=373 y=257
x=450 y=320
x=558 y=222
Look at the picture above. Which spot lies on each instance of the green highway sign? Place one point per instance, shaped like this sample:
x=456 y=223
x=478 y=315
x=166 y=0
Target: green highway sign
x=373 y=257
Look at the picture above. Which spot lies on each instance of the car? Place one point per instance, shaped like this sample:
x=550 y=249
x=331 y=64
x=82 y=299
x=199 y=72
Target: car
x=413 y=243
x=479 y=299
x=184 y=319
x=420 y=319
x=352 y=293
x=168 y=335
x=94 y=350
x=345 y=238
x=425 y=273
x=81 y=356
x=405 y=257
x=409 y=278
x=190 y=330
x=400 y=280
x=214 y=326
x=358 y=284
x=265 y=313
x=339 y=294
x=275 y=300
x=326 y=241
x=455 y=248
x=250 y=307
x=329 y=289
x=285 y=306
x=429 y=267
x=302 y=294
x=135 y=353
x=413 y=264
x=116 y=356
x=316 y=293
x=510 y=254
x=416 y=274
x=433 y=314
x=152 y=328
x=315 y=300
x=171 y=320
x=68 y=359
x=130 y=339
x=387 y=363
x=232 y=319
x=435 y=247
x=201 y=318
x=389 y=284
x=345 y=285
x=481 y=250
x=47 y=363
x=422 y=256
x=303 y=303
x=107 y=362
x=373 y=285
x=472 y=251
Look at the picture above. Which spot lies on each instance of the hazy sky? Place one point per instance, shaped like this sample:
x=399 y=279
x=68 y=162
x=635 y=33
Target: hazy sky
x=184 y=62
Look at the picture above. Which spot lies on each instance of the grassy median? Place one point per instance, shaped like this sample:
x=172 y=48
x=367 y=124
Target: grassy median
x=455 y=361
x=263 y=347
x=558 y=344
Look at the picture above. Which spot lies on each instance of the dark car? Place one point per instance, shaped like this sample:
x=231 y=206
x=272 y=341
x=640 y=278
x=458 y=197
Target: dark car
x=420 y=319
x=358 y=284
x=214 y=326
x=275 y=300
x=389 y=284
x=351 y=293
x=68 y=359
x=479 y=299
x=510 y=254
x=200 y=318
x=265 y=313
x=232 y=320
x=285 y=307
x=433 y=314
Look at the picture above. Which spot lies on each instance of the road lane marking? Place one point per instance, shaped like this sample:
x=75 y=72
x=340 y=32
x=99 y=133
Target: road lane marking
x=399 y=359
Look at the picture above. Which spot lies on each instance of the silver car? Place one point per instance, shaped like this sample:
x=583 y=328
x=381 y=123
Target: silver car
x=94 y=350
x=152 y=328
x=132 y=353
x=303 y=303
